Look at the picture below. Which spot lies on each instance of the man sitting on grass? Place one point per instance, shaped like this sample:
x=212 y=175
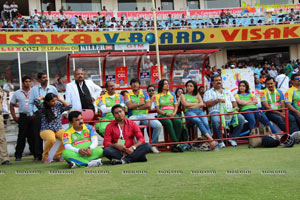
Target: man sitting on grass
x=81 y=143
x=119 y=144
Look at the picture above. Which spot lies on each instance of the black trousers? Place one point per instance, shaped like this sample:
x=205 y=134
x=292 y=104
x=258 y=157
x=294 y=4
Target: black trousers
x=37 y=141
x=25 y=132
x=139 y=155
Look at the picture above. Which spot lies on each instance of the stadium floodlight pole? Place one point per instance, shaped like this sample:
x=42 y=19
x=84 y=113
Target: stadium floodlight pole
x=156 y=39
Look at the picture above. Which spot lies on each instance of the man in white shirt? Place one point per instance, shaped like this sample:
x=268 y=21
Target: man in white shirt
x=6 y=10
x=282 y=81
x=14 y=9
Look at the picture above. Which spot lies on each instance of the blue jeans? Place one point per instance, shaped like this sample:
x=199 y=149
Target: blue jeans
x=201 y=122
x=281 y=121
x=217 y=125
x=251 y=118
x=155 y=124
x=139 y=155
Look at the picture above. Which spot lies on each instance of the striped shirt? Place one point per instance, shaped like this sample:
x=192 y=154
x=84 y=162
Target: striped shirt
x=212 y=94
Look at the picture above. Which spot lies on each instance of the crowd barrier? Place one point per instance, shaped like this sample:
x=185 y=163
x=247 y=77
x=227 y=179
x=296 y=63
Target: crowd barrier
x=167 y=142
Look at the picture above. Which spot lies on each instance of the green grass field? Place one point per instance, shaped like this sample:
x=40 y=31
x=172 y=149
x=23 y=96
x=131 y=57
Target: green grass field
x=168 y=176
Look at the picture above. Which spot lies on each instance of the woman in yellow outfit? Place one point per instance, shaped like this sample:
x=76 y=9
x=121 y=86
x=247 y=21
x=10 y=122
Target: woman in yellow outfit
x=51 y=108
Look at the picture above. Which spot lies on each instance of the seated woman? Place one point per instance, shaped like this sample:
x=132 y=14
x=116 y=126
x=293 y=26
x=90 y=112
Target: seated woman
x=51 y=110
x=247 y=102
x=166 y=106
x=193 y=105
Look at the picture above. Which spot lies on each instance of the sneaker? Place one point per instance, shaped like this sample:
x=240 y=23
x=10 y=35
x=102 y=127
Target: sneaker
x=174 y=149
x=117 y=162
x=6 y=162
x=179 y=148
x=221 y=145
x=233 y=143
x=95 y=163
x=72 y=165
x=18 y=159
x=154 y=149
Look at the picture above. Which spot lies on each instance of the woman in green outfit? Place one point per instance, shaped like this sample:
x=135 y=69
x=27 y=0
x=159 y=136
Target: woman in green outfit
x=166 y=106
x=247 y=102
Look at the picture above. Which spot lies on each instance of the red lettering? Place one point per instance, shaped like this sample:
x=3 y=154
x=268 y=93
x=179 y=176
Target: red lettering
x=272 y=31
x=16 y=39
x=140 y=45
x=3 y=49
x=37 y=39
x=82 y=38
x=255 y=32
x=3 y=39
x=244 y=34
x=288 y=31
x=228 y=36
x=55 y=39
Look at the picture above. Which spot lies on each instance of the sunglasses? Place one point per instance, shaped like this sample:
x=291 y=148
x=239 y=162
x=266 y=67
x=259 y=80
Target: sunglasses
x=151 y=90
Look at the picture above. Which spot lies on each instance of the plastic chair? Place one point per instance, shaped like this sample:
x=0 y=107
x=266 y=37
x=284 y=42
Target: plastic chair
x=87 y=115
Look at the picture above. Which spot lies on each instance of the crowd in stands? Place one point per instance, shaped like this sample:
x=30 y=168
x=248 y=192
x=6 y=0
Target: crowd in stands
x=12 y=20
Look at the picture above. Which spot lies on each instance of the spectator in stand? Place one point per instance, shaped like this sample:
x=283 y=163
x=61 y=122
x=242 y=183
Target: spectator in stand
x=222 y=14
x=69 y=8
x=43 y=16
x=170 y=19
x=6 y=10
x=273 y=98
x=288 y=69
x=35 y=15
x=104 y=8
x=252 y=23
x=14 y=9
x=228 y=14
x=268 y=18
x=273 y=72
x=62 y=16
x=292 y=98
x=282 y=81
x=219 y=101
x=247 y=102
x=60 y=86
x=258 y=70
x=49 y=16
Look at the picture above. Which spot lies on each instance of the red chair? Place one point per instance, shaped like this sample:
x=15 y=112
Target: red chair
x=87 y=115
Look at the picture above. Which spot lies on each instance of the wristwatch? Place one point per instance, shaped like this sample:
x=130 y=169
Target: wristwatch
x=134 y=148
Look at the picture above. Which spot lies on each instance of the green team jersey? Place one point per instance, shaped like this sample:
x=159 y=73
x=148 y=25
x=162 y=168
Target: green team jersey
x=165 y=102
x=141 y=98
x=191 y=99
x=110 y=102
x=79 y=140
x=246 y=97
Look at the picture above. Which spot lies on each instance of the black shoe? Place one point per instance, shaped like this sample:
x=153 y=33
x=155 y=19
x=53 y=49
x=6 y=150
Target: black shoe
x=18 y=159
x=116 y=162
x=180 y=149
x=6 y=162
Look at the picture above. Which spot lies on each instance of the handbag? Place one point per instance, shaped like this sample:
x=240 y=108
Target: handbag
x=255 y=141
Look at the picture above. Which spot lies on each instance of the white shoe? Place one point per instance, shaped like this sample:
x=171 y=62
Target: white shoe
x=95 y=163
x=154 y=149
x=72 y=165
x=233 y=143
x=221 y=145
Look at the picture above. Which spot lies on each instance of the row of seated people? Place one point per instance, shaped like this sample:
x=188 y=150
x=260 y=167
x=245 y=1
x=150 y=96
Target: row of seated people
x=217 y=100
x=47 y=23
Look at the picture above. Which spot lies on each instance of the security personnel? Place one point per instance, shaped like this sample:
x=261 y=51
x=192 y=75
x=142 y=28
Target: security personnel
x=107 y=101
x=21 y=97
x=4 y=159
x=81 y=143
